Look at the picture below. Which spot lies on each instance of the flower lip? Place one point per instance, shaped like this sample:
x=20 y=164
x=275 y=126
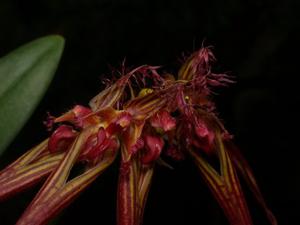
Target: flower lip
x=97 y=144
x=153 y=148
x=61 y=138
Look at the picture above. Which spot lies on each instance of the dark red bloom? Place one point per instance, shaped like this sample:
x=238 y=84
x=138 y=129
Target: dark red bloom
x=140 y=116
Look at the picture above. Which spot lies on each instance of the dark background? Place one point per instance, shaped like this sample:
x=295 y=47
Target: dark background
x=257 y=41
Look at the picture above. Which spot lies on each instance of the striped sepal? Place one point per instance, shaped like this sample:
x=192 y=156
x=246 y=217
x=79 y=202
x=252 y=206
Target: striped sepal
x=225 y=186
x=245 y=170
x=133 y=188
x=28 y=170
x=56 y=193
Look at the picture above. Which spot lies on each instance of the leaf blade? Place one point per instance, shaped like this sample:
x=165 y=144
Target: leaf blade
x=25 y=75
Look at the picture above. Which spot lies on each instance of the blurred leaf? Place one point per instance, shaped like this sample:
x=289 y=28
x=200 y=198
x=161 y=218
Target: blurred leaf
x=25 y=75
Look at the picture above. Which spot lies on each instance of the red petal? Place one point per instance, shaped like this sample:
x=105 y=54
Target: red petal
x=154 y=145
x=96 y=145
x=61 y=138
x=204 y=126
x=80 y=116
x=163 y=120
x=81 y=111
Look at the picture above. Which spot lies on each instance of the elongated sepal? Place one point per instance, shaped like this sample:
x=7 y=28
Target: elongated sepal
x=127 y=193
x=243 y=167
x=133 y=188
x=197 y=64
x=144 y=107
x=27 y=170
x=144 y=178
x=109 y=97
x=225 y=185
x=57 y=193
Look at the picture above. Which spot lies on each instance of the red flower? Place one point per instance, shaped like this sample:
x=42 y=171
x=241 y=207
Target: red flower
x=134 y=119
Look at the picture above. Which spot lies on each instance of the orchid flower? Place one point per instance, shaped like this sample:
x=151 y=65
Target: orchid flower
x=142 y=116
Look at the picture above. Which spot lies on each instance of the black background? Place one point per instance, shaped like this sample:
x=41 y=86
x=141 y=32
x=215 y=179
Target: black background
x=257 y=41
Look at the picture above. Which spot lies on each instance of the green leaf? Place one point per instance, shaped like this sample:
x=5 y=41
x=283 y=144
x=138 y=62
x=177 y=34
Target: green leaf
x=25 y=75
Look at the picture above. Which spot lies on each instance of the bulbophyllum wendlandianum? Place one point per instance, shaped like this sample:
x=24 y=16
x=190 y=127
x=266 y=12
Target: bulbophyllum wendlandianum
x=140 y=115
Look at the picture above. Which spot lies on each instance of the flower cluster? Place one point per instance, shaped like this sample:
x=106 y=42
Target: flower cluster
x=143 y=116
